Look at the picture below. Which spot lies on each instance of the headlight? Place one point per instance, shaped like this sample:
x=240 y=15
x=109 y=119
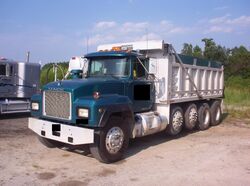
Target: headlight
x=82 y=112
x=35 y=106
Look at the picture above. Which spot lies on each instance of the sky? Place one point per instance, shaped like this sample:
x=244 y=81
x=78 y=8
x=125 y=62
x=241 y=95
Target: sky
x=56 y=30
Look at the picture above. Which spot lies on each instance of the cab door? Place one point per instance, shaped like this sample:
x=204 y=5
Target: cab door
x=141 y=90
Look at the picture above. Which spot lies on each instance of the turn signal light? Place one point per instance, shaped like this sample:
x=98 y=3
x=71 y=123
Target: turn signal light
x=35 y=106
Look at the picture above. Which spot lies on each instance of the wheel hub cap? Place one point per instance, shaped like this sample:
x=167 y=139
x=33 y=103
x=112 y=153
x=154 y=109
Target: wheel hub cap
x=218 y=113
x=177 y=120
x=114 y=140
x=207 y=117
x=193 y=115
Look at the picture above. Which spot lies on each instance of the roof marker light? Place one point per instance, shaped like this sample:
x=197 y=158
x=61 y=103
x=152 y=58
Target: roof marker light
x=116 y=48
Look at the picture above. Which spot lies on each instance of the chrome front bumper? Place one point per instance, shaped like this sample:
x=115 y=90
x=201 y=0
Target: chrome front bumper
x=61 y=132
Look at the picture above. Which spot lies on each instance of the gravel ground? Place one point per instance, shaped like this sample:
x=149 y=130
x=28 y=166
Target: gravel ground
x=217 y=156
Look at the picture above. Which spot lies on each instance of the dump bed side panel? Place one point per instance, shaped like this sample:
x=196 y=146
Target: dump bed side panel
x=208 y=82
x=179 y=83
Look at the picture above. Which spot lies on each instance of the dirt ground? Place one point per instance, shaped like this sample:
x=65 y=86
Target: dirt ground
x=217 y=156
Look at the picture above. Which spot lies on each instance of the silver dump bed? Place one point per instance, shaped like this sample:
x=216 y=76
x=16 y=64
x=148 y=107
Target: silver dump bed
x=193 y=81
x=18 y=82
x=181 y=78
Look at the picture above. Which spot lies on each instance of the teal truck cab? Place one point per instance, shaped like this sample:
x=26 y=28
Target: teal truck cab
x=126 y=94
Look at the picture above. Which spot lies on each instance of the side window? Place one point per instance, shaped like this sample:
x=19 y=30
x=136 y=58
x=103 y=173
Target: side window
x=97 y=68
x=139 y=71
x=2 y=70
x=9 y=70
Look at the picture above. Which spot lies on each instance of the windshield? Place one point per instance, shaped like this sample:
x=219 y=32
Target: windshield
x=118 y=67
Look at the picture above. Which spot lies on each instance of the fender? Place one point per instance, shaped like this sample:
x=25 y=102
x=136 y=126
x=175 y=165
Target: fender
x=123 y=110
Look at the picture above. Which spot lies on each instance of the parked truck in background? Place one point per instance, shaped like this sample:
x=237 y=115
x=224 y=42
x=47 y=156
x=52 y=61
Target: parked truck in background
x=129 y=90
x=18 y=82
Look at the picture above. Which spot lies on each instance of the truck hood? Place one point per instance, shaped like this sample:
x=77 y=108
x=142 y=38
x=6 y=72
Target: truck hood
x=86 y=87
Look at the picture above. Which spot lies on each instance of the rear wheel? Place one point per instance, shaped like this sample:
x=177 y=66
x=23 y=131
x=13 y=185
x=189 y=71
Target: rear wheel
x=111 y=143
x=204 y=117
x=216 y=114
x=190 y=116
x=49 y=143
x=176 y=121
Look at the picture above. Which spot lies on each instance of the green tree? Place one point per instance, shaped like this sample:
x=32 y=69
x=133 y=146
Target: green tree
x=187 y=49
x=215 y=52
x=210 y=48
x=236 y=61
x=197 y=52
x=45 y=75
x=222 y=54
x=239 y=62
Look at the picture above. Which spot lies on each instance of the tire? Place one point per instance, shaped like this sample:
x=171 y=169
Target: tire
x=176 y=121
x=216 y=114
x=49 y=143
x=103 y=149
x=191 y=116
x=204 y=117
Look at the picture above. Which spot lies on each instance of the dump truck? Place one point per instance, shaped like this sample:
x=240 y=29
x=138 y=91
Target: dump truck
x=129 y=90
x=18 y=82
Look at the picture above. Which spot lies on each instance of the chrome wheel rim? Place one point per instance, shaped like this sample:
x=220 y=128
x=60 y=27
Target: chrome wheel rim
x=207 y=117
x=177 y=120
x=193 y=115
x=218 y=114
x=114 y=140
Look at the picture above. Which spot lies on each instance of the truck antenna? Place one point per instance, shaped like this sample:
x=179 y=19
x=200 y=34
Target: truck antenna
x=28 y=57
x=87 y=44
x=147 y=41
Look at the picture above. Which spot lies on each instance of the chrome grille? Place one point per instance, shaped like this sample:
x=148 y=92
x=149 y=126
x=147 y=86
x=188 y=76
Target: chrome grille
x=57 y=104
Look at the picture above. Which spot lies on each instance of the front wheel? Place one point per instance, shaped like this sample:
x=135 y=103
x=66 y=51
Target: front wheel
x=112 y=141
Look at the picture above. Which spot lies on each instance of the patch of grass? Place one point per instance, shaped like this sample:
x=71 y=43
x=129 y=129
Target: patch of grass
x=237 y=112
x=239 y=97
x=237 y=82
x=237 y=91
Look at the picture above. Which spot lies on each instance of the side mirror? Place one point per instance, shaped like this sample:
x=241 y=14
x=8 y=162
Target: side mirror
x=151 y=77
x=85 y=67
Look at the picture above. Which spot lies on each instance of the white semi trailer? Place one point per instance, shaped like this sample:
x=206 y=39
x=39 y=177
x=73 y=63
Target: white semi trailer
x=18 y=82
